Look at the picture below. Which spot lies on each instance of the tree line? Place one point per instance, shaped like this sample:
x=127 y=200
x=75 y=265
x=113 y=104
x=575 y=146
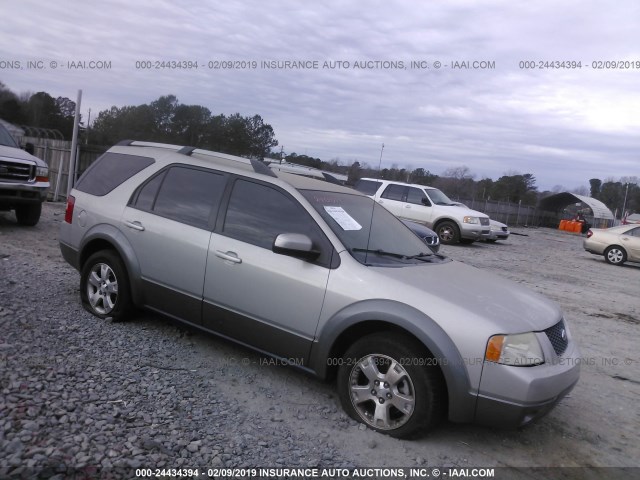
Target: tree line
x=169 y=121
x=163 y=120
x=458 y=182
x=620 y=194
x=39 y=110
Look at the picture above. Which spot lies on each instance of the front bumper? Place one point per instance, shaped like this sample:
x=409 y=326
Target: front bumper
x=14 y=194
x=474 y=232
x=512 y=396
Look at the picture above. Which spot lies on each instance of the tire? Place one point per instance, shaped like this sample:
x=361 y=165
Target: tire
x=104 y=286
x=448 y=232
x=28 y=215
x=372 y=382
x=615 y=255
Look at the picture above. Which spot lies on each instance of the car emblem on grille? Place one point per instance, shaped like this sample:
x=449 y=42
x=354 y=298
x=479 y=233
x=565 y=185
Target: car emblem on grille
x=563 y=334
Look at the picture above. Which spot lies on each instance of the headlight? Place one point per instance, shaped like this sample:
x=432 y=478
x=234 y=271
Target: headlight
x=471 y=220
x=42 y=174
x=522 y=350
x=495 y=228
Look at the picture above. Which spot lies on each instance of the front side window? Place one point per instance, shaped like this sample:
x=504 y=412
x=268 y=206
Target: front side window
x=417 y=196
x=6 y=138
x=394 y=192
x=186 y=195
x=258 y=213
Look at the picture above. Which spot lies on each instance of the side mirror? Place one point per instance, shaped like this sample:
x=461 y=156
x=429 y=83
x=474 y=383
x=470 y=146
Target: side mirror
x=426 y=202
x=30 y=148
x=295 y=245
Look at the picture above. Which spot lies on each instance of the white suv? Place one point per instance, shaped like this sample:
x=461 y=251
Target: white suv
x=429 y=206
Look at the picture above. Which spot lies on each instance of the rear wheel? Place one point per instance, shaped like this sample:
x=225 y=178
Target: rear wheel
x=28 y=215
x=104 y=286
x=388 y=383
x=615 y=255
x=448 y=232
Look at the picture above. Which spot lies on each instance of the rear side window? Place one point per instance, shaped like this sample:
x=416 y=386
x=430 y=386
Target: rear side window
x=186 y=195
x=368 y=187
x=110 y=171
x=394 y=192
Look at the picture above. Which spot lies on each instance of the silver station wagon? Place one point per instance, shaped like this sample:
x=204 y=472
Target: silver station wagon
x=317 y=275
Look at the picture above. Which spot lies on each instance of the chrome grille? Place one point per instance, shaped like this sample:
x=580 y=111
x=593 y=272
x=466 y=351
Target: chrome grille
x=16 y=172
x=484 y=221
x=557 y=335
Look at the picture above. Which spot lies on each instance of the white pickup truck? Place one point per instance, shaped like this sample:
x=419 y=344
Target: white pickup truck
x=24 y=181
x=429 y=206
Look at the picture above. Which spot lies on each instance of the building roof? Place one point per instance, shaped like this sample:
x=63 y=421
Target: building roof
x=559 y=201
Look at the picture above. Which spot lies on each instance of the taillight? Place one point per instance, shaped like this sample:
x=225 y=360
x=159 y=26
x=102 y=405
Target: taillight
x=589 y=233
x=68 y=214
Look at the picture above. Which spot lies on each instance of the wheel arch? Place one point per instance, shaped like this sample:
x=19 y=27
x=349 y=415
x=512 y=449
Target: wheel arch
x=446 y=219
x=107 y=237
x=374 y=316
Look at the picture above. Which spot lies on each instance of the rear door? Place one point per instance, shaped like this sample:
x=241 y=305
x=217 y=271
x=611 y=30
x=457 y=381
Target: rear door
x=168 y=222
x=417 y=206
x=631 y=241
x=267 y=300
x=393 y=199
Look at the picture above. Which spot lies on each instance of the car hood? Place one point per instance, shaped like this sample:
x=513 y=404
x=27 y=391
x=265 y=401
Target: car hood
x=17 y=153
x=466 y=210
x=456 y=289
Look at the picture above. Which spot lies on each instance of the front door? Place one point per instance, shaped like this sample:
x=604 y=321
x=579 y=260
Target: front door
x=267 y=300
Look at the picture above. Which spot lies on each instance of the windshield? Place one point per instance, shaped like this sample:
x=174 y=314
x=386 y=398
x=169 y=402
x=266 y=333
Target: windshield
x=439 y=198
x=6 y=138
x=371 y=233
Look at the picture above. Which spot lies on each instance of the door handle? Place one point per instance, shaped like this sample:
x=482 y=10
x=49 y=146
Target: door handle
x=135 y=225
x=407 y=206
x=229 y=256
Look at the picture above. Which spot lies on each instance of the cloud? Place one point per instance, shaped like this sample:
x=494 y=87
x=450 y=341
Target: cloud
x=563 y=125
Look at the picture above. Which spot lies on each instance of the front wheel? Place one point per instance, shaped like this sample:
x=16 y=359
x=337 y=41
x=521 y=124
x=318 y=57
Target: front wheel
x=388 y=383
x=448 y=232
x=28 y=215
x=615 y=255
x=104 y=286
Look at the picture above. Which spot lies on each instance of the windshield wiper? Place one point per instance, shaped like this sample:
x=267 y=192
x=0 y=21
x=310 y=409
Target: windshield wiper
x=379 y=252
x=419 y=256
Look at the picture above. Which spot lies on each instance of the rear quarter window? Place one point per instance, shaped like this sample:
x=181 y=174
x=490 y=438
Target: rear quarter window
x=109 y=171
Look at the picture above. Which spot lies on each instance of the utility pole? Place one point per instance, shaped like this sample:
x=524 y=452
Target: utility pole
x=74 y=146
x=624 y=204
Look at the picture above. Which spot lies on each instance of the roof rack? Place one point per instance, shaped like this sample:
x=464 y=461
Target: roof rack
x=258 y=166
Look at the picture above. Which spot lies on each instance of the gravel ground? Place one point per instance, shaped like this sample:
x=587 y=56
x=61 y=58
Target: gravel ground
x=83 y=395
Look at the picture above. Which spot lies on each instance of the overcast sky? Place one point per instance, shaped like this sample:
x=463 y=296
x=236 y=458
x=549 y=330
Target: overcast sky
x=563 y=125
